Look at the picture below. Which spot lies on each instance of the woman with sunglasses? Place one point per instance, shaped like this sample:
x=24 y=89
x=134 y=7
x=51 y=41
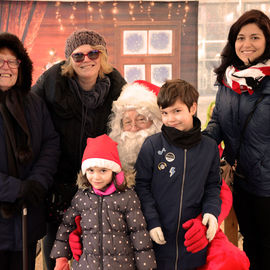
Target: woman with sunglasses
x=79 y=92
x=29 y=154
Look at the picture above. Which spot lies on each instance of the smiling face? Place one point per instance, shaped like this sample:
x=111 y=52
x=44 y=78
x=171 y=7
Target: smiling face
x=98 y=177
x=250 y=43
x=133 y=121
x=87 y=68
x=178 y=115
x=8 y=76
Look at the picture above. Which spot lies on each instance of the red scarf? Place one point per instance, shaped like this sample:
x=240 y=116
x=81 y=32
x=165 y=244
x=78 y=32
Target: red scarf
x=247 y=79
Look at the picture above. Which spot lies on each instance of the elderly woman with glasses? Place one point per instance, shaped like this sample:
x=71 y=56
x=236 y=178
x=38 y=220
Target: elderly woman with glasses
x=79 y=93
x=29 y=154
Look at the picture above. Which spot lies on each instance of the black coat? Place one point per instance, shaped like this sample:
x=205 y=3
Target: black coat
x=45 y=146
x=228 y=119
x=66 y=110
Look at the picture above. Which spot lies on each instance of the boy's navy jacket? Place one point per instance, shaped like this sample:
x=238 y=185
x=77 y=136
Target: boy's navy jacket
x=175 y=185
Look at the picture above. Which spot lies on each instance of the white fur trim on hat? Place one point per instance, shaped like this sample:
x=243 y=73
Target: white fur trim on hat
x=102 y=163
x=135 y=96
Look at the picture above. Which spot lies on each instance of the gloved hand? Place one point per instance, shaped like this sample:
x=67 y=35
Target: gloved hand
x=7 y=209
x=195 y=237
x=226 y=204
x=31 y=192
x=75 y=240
x=61 y=264
x=156 y=235
x=210 y=221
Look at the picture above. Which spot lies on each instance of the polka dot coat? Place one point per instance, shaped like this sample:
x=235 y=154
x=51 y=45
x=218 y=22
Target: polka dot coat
x=114 y=234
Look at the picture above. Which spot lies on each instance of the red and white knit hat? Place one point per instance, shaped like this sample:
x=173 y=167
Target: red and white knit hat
x=101 y=152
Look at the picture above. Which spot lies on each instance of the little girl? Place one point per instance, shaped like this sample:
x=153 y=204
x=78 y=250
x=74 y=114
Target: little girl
x=114 y=234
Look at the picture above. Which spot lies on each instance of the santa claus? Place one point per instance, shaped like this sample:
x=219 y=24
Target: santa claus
x=135 y=116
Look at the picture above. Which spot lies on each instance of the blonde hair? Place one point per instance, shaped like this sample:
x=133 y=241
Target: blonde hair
x=105 y=66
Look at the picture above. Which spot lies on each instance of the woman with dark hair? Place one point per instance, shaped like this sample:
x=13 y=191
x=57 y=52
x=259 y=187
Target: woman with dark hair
x=79 y=93
x=241 y=119
x=29 y=153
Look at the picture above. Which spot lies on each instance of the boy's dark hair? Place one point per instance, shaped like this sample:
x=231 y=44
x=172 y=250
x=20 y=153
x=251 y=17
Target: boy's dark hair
x=228 y=55
x=172 y=90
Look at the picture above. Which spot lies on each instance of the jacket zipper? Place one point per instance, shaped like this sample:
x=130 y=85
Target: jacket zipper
x=180 y=209
x=100 y=230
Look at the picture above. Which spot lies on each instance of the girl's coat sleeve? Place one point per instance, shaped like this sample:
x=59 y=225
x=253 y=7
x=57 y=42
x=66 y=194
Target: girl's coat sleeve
x=61 y=246
x=142 y=244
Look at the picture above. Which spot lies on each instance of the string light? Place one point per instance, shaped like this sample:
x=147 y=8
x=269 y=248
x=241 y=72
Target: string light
x=141 y=6
x=178 y=9
x=169 y=10
x=149 y=11
x=72 y=16
x=174 y=9
x=184 y=20
x=131 y=10
x=115 y=12
x=100 y=10
x=90 y=10
x=58 y=15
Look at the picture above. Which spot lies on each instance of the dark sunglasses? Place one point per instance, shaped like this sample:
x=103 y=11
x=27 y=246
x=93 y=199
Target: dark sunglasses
x=79 y=57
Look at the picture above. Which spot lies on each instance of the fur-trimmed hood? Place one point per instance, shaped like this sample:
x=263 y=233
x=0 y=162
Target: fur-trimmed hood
x=83 y=183
x=12 y=42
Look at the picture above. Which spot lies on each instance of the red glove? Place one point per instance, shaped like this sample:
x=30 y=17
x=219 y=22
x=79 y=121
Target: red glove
x=61 y=264
x=75 y=240
x=195 y=237
x=226 y=204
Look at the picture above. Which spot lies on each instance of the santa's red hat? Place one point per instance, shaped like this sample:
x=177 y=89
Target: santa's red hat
x=150 y=86
x=101 y=152
x=140 y=94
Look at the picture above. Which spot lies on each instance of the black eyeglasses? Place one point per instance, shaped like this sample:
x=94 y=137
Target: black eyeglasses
x=79 y=57
x=12 y=63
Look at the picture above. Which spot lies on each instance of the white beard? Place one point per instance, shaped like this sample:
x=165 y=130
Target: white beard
x=129 y=145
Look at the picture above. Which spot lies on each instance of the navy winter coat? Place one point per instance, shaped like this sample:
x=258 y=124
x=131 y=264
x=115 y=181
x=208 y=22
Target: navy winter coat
x=228 y=119
x=175 y=185
x=45 y=146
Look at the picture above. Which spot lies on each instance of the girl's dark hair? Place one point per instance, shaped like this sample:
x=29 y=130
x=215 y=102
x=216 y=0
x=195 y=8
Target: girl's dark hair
x=228 y=55
x=83 y=182
x=172 y=90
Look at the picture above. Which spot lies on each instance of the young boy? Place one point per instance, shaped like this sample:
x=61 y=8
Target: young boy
x=178 y=178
